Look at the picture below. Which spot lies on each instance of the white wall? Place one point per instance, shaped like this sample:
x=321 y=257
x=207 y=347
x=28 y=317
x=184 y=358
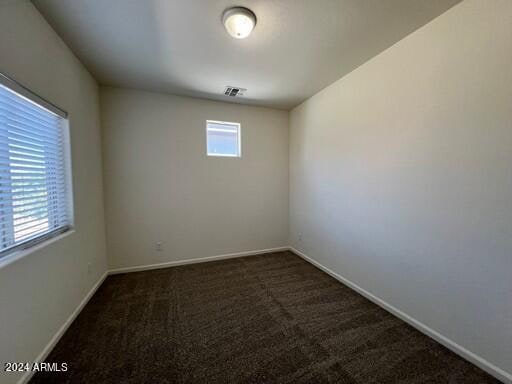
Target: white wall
x=40 y=291
x=161 y=186
x=401 y=181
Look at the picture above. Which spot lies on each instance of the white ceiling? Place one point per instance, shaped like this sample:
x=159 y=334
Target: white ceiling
x=180 y=46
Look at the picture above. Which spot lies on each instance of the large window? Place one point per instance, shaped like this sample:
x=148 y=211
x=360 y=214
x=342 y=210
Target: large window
x=223 y=139
x=35 y=201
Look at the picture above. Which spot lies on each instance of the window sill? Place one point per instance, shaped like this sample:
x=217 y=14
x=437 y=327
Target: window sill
x=222 y=155
x=17 y=255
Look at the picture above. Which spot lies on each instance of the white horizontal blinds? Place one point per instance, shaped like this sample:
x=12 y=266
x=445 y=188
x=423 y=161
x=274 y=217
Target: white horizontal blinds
x=33 y=196
x=223 y=139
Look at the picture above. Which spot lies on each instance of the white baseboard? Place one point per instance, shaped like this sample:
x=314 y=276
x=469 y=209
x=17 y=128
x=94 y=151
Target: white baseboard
x=450 y=344
x=55 y=339
x=168 y=264
x=453 y=346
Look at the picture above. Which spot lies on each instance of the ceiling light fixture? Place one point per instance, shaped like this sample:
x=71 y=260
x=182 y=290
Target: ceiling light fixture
x=239 y=21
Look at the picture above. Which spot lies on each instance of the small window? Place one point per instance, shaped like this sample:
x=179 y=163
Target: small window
x=223 y=138
x=35 y=187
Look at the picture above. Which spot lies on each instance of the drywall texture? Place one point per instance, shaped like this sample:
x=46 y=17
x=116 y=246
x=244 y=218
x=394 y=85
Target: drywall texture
x=41 y=290
x=400 y=177
x=161 y=187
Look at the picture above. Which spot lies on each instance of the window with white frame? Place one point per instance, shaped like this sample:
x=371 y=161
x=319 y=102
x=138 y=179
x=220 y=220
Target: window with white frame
x=223 y=138
x=35 y=187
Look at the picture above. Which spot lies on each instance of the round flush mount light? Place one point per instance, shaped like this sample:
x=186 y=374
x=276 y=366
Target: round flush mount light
x=239 y=22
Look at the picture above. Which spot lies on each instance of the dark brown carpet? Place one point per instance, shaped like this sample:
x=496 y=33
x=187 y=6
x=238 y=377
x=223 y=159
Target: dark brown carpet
x=262 y=319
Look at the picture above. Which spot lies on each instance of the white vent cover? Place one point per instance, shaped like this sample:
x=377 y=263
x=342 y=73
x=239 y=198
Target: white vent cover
x=234 y=91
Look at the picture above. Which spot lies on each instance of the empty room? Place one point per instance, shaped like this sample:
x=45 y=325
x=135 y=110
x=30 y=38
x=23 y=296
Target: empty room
x=256 y=192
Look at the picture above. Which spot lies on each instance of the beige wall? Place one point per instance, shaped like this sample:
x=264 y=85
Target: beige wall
x=400 y=177
x=399 y=180
x=161 y=186
x=40 y=291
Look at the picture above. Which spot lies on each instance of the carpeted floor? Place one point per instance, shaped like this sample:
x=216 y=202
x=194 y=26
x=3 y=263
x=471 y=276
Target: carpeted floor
x=262 y=319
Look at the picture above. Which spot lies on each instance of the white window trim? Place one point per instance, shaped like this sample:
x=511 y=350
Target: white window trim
x=29 y=95
x=17 y=252
x=239 y=139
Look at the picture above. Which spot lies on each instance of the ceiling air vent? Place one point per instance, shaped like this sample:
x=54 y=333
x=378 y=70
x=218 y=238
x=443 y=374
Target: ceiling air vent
x=234 y=91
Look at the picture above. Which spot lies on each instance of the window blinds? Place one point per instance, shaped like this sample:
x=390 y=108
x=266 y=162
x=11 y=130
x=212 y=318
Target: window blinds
x=33 y=183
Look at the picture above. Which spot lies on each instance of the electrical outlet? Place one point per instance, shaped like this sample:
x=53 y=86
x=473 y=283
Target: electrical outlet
x=159 y=246
x=89 y=268
x=299 y=237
